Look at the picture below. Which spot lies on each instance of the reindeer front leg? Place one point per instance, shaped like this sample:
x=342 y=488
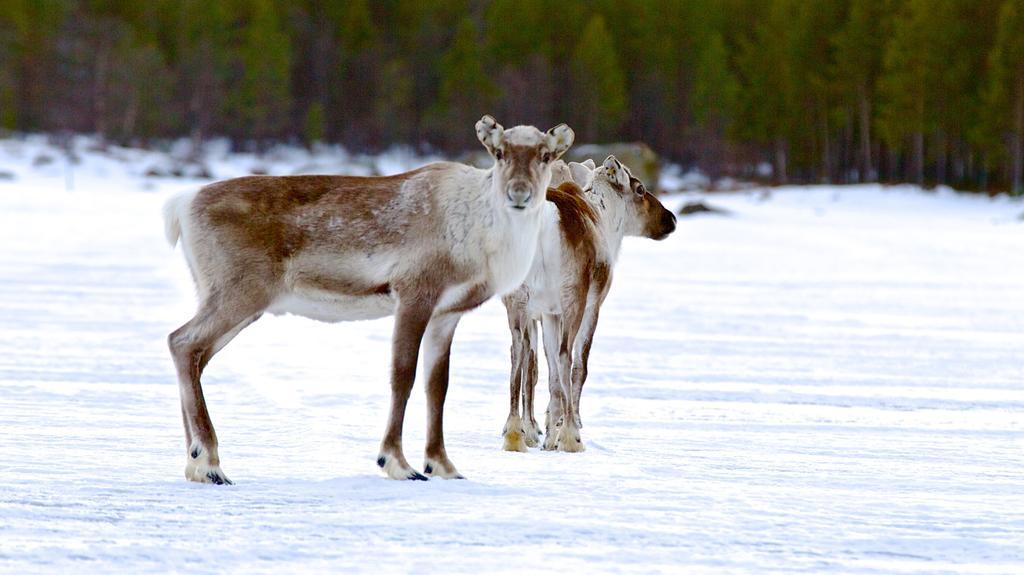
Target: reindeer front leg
x=552 y=328
x=514 y=433
x=411 y=320
x=530 y=383
x=437 y=348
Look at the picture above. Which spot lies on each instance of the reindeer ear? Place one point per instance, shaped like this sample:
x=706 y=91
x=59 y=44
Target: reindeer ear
x=559 y=139
x=590 y=164
x=581 y=174
x=560 y=173
x=612 y=166
x=490 y=133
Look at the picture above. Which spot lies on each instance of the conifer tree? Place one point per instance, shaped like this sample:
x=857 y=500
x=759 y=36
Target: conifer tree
x=858 y=62
x=768 y=103
x=715 y=93
x=904 y=85
x=465 y=90
x=262 y=98
x=202 y=50
x=600 y=82
x=1004 y=95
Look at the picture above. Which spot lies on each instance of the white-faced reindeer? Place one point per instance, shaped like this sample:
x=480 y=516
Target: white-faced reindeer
x=579 y=244
x=427 y=246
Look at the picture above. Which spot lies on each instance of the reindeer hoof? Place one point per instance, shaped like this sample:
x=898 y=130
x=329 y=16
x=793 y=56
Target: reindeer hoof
x=218 y=478
x=201 y=467
x=549 y=443
x=514 y=435
x=532 y=435
x=514 y=441
x=568 y=439
x=201 y=473
x=397 y=468
x=437 y=467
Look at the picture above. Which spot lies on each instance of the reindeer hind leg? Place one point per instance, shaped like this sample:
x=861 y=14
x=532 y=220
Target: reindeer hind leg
x=192 y=347
x=569 y=433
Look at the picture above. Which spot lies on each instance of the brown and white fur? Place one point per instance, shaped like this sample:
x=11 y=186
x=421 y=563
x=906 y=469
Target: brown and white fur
x=427 y=246
x=570 y=277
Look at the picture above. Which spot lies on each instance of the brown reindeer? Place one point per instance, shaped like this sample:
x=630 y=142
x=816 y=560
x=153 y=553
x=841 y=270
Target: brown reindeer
x=427 y=246
x=568 y=281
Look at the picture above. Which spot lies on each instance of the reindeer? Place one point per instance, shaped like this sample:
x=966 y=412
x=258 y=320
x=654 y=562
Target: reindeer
x=570 y=277
x=427 y=246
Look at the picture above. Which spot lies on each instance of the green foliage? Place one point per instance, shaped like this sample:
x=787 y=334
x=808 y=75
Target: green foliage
x=465 y=90
x=907 y=73
x=715 y=88
x=1004 y=94
x=1006 y=68
x=261 y=96
x=766 y=68
x=313 y=126
x=601 y=84
x=518 y=28
x=355 y=24
x=918 y=89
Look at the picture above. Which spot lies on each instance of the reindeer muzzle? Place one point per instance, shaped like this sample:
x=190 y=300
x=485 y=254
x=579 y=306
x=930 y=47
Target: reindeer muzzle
x=519 y=195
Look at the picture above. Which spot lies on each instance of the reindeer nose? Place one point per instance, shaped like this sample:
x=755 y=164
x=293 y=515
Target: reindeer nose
x=668 y=222
x=519 y=194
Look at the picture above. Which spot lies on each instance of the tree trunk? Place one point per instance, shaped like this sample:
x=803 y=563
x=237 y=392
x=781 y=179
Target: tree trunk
x=780 y=161
x=983 y=173
x=826 y=147
x=1018 y=135
x=131 y=114
x=867 y=173
x=99 y=94
x=940 y=157
x=917 y=174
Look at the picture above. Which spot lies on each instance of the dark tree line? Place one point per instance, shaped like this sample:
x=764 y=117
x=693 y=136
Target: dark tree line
x=926 y=91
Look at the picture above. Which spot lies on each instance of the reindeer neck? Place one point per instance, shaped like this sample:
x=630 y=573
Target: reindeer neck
x=611 y=218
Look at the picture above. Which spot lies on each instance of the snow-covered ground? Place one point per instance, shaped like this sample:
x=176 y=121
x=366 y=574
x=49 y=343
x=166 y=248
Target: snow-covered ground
x=826 y=380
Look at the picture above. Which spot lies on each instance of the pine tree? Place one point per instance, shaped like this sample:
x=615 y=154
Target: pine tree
x=1004 y=95
x=926 y=88
x=31 y=40
x=8 y=80
x=715 y=93
x=715 y=87
x=203 y=54
x=858 y=62
x=904 y=85
x=353 y=79
x=768 y=105
x=600 y=83
x=262 y=97
x=810 y=48
x=465 y=91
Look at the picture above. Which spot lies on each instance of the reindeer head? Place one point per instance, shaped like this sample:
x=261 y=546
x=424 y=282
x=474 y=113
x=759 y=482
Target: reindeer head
x=522 y=160
x=636 y=209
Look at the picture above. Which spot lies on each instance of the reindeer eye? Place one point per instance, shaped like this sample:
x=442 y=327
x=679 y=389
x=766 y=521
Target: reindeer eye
x=498 y=154
x=640 y=190
x=545 y=158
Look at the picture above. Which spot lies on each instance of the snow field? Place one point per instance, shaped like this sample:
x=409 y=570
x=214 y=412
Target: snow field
x=827 y=380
